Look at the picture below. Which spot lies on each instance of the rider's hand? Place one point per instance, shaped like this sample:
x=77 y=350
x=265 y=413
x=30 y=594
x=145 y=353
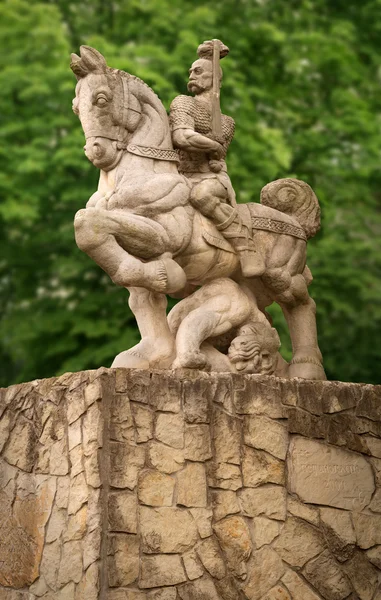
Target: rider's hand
x=218 y=152
x=215 y=166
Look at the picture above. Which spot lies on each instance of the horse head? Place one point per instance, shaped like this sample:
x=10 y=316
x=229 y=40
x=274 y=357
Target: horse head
x=102 y=104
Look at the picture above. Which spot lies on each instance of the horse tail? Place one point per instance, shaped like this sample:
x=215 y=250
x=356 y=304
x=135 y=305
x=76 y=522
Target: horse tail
x=295 y=198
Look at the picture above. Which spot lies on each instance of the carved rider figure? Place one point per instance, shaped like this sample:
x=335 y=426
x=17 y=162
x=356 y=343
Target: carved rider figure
x=202 y=134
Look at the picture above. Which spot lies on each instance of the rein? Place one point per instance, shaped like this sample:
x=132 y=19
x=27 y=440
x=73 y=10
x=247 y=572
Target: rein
x=167 y=154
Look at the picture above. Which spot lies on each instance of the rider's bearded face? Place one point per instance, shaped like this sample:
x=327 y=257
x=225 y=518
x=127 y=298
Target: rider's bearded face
x=200 y=76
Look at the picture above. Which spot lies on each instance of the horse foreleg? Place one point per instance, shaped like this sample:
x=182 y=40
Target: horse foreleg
x=300 y=312
x=98 y=232
x=156 y=348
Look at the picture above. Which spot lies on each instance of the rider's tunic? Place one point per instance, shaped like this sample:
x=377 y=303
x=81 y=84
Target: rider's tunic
x=187 y=112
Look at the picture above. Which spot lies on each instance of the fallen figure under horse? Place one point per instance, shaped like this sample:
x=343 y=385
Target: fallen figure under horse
x=143 y=228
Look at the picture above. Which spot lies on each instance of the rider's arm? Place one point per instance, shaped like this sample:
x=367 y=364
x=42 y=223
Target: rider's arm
x=184 y=135
x=191 y=141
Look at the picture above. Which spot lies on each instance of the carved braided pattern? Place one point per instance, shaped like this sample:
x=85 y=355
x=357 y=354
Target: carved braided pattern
x=156 y=153
x=278 y=227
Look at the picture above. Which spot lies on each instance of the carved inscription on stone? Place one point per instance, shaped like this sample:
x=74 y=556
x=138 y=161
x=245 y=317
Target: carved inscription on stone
x=323 y=474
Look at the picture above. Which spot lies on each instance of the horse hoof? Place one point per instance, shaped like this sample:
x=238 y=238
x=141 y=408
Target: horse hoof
x=128 y=360
x=307 y=369
x=191 y=360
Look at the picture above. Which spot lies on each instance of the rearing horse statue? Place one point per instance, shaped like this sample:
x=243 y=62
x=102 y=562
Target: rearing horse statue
x=140 y=228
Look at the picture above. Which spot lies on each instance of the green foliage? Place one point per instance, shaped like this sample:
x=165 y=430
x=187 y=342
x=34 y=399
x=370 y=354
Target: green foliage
x=303 y=84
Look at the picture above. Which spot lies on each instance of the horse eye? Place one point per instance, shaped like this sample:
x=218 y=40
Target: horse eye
x=101 y=101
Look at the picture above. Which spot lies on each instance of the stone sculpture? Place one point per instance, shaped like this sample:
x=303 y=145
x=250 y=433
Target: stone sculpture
x=164 y=220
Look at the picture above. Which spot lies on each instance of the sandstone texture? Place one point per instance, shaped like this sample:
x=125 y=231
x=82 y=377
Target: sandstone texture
x=130 y=485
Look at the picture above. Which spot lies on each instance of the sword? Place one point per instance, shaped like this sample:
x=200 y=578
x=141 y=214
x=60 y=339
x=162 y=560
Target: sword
x=216 y=107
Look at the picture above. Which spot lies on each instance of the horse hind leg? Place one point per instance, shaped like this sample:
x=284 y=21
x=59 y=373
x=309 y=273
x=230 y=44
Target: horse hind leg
x=299 y=310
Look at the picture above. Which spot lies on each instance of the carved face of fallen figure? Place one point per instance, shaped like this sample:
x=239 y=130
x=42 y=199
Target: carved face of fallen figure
x=255 y=349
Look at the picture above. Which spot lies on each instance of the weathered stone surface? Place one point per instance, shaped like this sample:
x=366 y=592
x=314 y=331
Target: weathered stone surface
x=297 y=587
x=20 y=450
x=362 y=574
x=123 y=559
x=368 y=529
x=70 y=568
x=374 y=445
x=191 y=486
x=323 y=474
x=58 y=460
x=76 y=404
x=63 y=489
x=224 y=476
x=126 y=461
x=76 y=464
x=224 y=502
x=338 y=396
x=234 y=537
x=22 y=528
x=50 y=562
x=91 y=547
x=374 y=555
x=227 y=588
x=161 y=570
x=170 y=429
x=165 y=392
x=143 y=419
x=304 y=423
x=328 y=579
x=165 y=459
x=155 y=488
x=76 y=525
x=268 y=500
x=78 y=493
x=210 y=555
x=197 y=443
x=260 y=398
x=192 y=566
x=122 y=512
x=92 y=473
x=201 y=589
x=163 y=594
x=265 y=531
x=264 y=571
x=375 y=504
x=57 y=523
x=203 y=520
x=259 y=467
x=121 y=421
x=298 y=542
x=197 y=397
x=298 y=509
x=370 y=405
x=167 y=530
x=338 y=532
x=226 y=437
x=168 y=593
x=92 y=429
x=264 y=434
x=376 y=464
x=277 y=593
x=88 y=587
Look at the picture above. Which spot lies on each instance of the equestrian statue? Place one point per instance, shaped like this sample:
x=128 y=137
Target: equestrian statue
x=165 y=221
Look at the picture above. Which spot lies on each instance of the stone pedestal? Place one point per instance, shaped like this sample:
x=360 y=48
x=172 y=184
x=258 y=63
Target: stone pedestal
x=131 y=485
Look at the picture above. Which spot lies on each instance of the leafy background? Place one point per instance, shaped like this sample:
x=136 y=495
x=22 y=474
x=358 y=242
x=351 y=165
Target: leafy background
x=303 y=84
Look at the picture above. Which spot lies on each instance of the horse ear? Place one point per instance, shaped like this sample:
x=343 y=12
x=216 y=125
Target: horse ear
x=77 y=66
x=92 y=59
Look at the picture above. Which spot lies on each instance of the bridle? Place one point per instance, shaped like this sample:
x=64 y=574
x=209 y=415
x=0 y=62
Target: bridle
x=122 y=134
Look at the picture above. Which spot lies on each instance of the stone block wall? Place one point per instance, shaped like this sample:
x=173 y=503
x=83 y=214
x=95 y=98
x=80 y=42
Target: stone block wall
x=132 y=485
